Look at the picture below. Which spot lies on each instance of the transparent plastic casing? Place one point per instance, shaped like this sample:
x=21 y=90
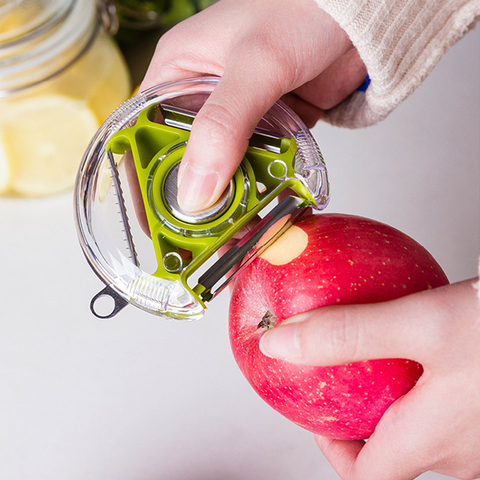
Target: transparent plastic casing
x=106 y=223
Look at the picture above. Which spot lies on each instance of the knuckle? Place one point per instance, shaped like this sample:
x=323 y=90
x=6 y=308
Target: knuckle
x=216 y=122
x=342 y=337
x=437 y=331
x=335 y=337
x=164 y=44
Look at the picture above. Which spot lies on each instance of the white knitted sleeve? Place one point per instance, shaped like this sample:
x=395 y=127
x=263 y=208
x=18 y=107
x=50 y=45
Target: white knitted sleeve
x=400 y=42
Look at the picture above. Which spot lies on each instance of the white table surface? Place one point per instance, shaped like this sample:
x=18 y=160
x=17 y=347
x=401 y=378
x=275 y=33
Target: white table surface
x=140 y=398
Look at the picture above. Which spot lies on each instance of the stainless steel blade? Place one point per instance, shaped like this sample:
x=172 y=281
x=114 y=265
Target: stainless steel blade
x=183 y=118
x=251 y=245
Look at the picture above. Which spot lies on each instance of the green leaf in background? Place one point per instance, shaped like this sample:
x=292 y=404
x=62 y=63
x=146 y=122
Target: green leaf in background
x=137 y=16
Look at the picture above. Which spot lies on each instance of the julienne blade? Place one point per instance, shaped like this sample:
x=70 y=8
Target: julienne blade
x=122 y=209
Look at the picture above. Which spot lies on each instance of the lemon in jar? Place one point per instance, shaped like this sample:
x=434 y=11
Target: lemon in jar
x=60 y=77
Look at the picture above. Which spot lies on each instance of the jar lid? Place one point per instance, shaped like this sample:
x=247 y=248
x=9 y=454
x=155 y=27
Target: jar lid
x=22 y=18
x=40 y=38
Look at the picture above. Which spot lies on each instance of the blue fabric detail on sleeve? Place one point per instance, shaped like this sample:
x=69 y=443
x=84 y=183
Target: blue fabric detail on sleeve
x=363 y=87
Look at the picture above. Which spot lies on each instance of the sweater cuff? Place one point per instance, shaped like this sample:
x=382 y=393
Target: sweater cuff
x=400 y=42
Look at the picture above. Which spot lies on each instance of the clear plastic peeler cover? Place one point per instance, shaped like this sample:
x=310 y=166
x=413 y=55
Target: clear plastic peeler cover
x=150 y=259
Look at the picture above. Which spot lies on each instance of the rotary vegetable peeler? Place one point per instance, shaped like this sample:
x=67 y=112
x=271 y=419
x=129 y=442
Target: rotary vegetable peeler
x=128 y=179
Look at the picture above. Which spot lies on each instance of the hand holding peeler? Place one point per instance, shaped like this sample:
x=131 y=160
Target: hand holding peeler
x=172 y=270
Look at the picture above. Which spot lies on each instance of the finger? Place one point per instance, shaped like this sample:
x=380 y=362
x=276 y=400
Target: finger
x=220 y=133
x=398 y=449
x=329 y=89
x=340 y=453
x=336 y=83
x=357 y=460
x=258 y=62
x=255 y=77
x=190 y=50
x=309 y=114
x=412 y=327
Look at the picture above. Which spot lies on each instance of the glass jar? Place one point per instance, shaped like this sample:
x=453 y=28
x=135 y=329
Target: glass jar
x=60 y=77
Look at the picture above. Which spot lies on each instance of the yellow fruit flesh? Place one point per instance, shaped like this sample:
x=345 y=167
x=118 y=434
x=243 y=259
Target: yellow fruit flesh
x=44 y=139
x=44 y=132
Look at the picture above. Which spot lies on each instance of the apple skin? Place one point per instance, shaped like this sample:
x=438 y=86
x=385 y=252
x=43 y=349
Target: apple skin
x=347 y=260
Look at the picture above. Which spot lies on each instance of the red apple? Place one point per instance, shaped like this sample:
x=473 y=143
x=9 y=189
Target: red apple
x=328 y=259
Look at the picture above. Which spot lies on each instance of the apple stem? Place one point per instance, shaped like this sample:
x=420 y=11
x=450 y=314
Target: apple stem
x=268 y=321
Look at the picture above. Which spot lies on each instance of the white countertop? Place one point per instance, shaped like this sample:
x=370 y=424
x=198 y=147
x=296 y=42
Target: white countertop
x=140 y=398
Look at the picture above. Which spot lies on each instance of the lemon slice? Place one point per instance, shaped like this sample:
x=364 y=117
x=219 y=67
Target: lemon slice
x=115 y=88
x=43 y=140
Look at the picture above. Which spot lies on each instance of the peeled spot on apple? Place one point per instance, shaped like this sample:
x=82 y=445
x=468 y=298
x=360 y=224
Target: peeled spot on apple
x=288 y=247
x=322 y=260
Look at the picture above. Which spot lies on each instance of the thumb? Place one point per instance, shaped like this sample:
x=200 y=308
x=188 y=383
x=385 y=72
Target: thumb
x=402 y=328
x=220 y=135
x=258 y=72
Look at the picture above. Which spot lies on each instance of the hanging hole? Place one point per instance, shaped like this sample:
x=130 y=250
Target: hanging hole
x=104 y=305
x=278 y=169
x=107 y=303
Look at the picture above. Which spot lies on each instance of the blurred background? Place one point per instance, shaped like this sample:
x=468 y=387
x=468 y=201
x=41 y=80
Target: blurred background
x=141 y=398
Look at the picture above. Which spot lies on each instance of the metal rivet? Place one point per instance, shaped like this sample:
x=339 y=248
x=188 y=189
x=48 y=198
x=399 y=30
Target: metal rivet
x=170 y=192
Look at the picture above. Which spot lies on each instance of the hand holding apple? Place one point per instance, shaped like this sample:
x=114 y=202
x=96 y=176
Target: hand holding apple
x=326 y=260
x=435 y=426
